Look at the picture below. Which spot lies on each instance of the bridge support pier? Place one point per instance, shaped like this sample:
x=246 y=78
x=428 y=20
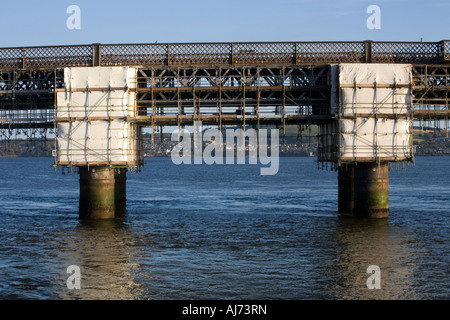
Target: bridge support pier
x=98 y=192
x=371 y=183
x=364 y=190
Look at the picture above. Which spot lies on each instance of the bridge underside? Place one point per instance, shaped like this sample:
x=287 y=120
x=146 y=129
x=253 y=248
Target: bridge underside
x=233 y=95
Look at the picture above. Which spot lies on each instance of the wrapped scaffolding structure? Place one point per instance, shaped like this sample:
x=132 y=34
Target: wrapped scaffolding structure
x=92 y=118
x=373 y=103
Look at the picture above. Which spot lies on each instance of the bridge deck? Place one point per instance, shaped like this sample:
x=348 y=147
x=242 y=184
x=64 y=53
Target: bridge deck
x=219 y=54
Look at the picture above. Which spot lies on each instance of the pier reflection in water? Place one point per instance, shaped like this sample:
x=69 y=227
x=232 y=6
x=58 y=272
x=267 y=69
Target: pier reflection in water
x=121 y=260
x=361 y=244
x=105 y=252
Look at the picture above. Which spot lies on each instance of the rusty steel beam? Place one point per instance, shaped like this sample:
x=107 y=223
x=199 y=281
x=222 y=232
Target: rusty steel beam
x=431 y=114
x=227 y=92
x=214 y=54
x=227 y=119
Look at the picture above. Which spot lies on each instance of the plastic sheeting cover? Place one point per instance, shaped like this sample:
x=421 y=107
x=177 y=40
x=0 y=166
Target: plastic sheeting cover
x=379 y=101
x=370 y=73
x=101 y=139
x=375 y=138
x=366 y=97
x=115 y=103
x=394 y=99
x=100 y=77
x=97 y=141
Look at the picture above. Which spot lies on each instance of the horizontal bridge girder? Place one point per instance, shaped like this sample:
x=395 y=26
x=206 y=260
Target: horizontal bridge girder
x=238 y=53
x=296 y=90
x=234 y=89
x=431 y=114
x=226 y=119
x=25 y=125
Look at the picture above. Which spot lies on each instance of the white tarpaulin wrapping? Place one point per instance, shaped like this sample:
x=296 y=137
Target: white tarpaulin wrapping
x=374 y=104
x=97 y=141
x=110 y=94
x=370 y=73
x=375 y=138
x=375 y=101
x=100 y=77
x=375 y=88
x=102 y=98
x=117 y=103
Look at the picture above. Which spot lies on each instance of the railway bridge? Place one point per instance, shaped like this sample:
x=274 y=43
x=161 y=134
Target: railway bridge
x=95 y=99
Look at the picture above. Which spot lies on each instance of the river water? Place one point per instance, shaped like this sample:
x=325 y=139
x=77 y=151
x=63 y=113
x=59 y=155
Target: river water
x=223 y=232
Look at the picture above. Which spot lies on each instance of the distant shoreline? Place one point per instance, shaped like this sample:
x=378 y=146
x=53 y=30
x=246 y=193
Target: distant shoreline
x=426 y=143
x=287 y=155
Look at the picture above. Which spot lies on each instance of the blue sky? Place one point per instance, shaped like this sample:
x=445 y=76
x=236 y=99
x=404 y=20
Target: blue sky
x=36 y=23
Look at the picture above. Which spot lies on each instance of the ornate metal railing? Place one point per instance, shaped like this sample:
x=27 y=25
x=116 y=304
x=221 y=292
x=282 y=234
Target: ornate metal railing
x=216 y=54
x=408 y=52
x=446 y=49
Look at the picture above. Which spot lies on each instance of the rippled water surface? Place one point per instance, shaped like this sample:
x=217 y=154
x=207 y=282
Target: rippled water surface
x=223 y=232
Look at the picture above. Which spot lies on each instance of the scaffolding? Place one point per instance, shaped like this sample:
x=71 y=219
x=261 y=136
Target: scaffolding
x=374 y=120
x=92 y=119
x=224 y=84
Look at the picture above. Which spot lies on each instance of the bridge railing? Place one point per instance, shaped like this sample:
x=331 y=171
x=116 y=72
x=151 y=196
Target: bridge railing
x=446 y=49
x=46 y=57
x=213 y=54
x=408 y=52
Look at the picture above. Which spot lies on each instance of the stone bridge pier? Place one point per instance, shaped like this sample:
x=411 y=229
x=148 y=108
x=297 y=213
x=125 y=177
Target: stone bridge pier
x=373 y=127
x=95 y=134
x=102 y=192
x=363 y=190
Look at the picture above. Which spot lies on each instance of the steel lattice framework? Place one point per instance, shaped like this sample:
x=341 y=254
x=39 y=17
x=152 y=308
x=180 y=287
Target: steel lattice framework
x=219 y=83
x=216 y=54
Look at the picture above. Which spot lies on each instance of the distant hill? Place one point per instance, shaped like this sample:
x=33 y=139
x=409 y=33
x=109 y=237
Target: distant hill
x=431 y=142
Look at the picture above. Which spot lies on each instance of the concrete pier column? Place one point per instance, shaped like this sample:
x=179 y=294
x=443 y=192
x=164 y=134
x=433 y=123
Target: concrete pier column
x=120 y=191
x=346 y=190
x=371 y=190
x=97 y=193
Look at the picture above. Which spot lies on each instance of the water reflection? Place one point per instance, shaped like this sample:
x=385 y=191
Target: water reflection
x=116 y=260
x=237 y=240
x=361 y=243
x=105 y=252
